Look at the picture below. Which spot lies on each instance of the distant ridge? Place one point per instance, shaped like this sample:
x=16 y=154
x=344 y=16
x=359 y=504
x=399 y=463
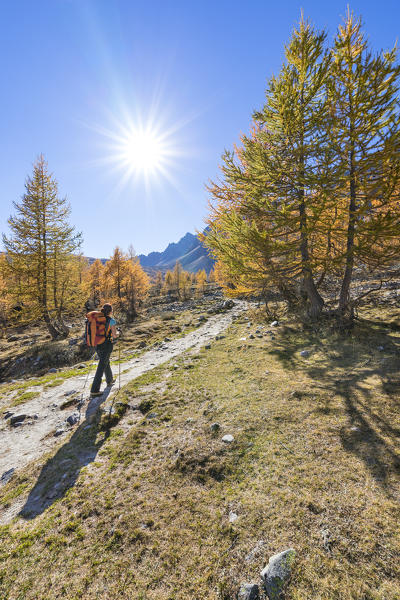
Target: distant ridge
x=190 y=252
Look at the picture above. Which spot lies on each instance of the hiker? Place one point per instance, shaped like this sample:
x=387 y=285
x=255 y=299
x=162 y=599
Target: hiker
x=102 y=333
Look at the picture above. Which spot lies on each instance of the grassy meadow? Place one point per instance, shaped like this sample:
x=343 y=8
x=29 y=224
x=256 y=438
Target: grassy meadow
x=140 y=511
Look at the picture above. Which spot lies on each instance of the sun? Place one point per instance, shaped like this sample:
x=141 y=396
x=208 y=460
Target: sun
x=143 y=151
x=140 y=151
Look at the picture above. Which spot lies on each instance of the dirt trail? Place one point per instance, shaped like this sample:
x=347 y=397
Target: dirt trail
x=19 y=446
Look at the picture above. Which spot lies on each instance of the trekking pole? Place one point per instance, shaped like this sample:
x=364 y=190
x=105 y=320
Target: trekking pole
x=119 y=373
x=119 y=360
x=81 y=401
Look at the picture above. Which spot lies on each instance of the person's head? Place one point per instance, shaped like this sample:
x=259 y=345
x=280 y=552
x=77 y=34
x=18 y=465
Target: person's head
x=106 y=310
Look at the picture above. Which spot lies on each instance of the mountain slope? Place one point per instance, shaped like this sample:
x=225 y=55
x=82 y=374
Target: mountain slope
x=188 y=250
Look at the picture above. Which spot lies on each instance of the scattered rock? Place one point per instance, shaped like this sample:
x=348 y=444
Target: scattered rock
x=53 y=370
x=141 y=345
x=12 y=338
x=277 y=573
x=275 y=324
x=167 y=339
x=228 y=304
x=202 y=318
x=327 y=540
x=17 y=419
x=228 y=439
x=7 y=476
x=381 y=348
x=215 y=427
x=251 y=337
x=233 y=517
x=81 y=366
x=305 y=353
x=248 y=591
x=207 y=346
x=73 y=419
x=58 y=432
x=73 y=341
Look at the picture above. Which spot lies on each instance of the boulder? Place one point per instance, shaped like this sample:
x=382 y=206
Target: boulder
x=277 y=573
x=248 y=591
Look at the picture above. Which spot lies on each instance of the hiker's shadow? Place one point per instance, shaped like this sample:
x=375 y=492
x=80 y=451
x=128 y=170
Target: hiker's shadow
x=61 y=471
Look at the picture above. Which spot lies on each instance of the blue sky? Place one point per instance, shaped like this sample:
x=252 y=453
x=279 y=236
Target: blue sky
x=77 y=72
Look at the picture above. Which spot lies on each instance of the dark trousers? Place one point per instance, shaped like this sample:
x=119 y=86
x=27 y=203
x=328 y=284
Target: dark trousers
x=103 y=352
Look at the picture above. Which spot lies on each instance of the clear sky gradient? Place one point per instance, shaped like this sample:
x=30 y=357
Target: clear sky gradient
x=76 y=72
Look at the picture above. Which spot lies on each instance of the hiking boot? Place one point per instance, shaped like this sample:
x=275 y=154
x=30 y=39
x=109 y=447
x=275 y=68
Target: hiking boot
x=95 y=394
x=110 y=383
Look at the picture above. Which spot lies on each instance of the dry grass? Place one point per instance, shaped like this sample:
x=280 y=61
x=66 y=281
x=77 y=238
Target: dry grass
x=316 y=449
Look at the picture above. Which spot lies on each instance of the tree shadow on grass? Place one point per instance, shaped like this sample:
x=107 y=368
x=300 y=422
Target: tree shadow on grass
x=362 y=369
x=61 y=471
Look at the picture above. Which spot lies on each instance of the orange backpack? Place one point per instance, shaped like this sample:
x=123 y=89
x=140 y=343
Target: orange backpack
x=97 y=328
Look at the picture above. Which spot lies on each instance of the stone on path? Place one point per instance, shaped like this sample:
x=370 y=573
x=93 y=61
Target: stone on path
x=228 y=439
x=17 y=419
x=248 y=591
x=58 y=432
x=277 y=573
x=73 y=419
x=228 y=304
